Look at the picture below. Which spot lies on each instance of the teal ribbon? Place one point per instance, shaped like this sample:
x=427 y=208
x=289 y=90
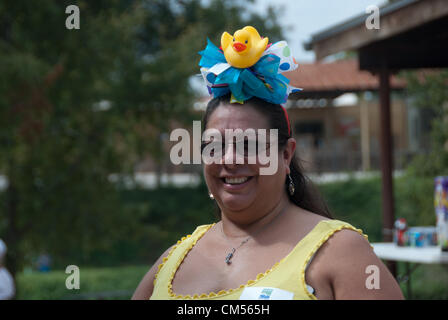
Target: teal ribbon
x=248 y=82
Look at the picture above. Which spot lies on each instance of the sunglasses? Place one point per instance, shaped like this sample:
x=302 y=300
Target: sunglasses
x=246 y=148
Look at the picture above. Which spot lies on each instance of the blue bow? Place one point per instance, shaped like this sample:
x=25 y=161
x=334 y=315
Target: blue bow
x=262 y=80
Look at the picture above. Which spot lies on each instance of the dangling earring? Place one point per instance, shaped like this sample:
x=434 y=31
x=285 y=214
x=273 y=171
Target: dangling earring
x=291 y=187
x=211 y=195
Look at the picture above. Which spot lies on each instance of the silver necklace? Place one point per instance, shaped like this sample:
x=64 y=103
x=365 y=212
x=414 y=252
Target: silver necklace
x=230 y=254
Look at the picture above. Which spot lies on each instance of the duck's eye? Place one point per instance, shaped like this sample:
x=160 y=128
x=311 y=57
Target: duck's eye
x=245 y=41
x=233 y=39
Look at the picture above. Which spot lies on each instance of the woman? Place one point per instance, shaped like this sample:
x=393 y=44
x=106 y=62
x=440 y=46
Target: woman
x=275 y=232
x=275 y=239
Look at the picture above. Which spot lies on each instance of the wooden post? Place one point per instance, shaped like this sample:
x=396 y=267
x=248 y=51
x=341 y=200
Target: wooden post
x=386 y=161
x=365 y=136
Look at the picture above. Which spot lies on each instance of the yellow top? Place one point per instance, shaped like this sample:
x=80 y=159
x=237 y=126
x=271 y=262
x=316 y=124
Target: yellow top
x=285 y=280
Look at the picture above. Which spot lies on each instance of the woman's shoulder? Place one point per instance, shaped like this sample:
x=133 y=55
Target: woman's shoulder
x=331 y=226
x=342 y=235
x=342 y=243
x=338 y=235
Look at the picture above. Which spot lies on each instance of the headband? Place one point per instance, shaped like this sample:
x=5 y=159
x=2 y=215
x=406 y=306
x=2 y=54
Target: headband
x=247 y=66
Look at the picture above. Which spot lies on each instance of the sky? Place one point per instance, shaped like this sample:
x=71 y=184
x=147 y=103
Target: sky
x=303 y=18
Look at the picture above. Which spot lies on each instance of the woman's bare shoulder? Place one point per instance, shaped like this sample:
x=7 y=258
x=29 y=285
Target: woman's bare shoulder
x=349 y=260
x=146 y=285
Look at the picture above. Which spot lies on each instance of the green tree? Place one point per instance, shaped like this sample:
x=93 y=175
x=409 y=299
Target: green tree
x=430 y=91
x=172 y=34
x=78 y=105
x=57 y=149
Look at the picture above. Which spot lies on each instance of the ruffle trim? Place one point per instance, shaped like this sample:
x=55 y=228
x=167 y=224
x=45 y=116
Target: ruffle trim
x=211 y=294
x=317 y=246
x=249 y=282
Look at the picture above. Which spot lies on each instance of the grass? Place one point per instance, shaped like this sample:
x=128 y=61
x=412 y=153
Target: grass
x=95 y=283
x=428 y=282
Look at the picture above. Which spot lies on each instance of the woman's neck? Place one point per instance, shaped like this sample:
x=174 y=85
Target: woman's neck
x=237 y=229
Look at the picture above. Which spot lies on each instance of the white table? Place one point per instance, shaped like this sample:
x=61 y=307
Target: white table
x=427 y=255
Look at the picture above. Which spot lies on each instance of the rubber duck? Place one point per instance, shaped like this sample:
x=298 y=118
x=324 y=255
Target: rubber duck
x=244 y=48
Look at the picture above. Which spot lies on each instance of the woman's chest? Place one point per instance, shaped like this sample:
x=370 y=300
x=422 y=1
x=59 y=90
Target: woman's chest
x=205 y=270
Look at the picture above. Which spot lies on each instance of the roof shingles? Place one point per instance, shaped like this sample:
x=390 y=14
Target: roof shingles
x=339 y=75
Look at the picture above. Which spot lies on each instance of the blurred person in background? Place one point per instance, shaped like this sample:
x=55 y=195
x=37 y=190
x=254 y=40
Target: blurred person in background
x=43 y=263
x=7 y=288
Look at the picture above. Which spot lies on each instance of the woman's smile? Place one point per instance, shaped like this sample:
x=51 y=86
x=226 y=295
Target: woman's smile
x=234 y=183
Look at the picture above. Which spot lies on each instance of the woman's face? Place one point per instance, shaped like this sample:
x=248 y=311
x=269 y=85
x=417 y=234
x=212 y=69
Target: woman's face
x=241 y=187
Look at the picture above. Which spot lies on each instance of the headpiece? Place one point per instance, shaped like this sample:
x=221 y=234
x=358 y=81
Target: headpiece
x=247 y=66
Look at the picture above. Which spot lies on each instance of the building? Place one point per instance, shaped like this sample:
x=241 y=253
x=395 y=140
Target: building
x=335 y=118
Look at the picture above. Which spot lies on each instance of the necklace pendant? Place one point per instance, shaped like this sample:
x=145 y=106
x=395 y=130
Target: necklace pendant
x=230 y=256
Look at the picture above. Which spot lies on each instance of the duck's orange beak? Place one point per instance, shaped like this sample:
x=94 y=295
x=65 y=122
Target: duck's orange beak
x=238 y=46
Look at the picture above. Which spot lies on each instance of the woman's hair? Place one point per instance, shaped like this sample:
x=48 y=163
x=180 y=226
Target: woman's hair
x=306 y=196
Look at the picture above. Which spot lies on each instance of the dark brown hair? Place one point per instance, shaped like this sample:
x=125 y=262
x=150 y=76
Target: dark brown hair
x=306 y=195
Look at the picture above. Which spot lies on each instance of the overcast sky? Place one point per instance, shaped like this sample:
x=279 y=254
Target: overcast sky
x=307 y=17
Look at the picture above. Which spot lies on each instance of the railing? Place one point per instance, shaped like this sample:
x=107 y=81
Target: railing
x=323 y=161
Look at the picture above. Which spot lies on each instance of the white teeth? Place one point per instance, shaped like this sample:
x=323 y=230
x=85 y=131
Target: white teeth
x=236 y=180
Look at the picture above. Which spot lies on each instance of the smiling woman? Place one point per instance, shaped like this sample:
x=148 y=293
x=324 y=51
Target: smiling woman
x=258 y=114
x=275 y=238
x=268 y=233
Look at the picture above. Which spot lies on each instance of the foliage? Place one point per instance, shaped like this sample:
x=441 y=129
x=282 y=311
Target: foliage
x=78 y=105
x=414 y=200
x=56 y=149
x=430 y=91
x=357 y=202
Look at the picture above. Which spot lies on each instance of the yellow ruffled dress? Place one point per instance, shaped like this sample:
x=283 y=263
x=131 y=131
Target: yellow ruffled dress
x=285 y=280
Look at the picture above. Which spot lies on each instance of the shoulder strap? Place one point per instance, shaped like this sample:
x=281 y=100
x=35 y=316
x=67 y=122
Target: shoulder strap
x=325 y=229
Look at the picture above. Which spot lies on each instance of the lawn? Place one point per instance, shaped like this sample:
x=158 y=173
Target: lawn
x=95 y=283
x=428 y=282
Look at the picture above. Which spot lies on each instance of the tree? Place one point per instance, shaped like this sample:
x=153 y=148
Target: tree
x=171 y=36
x=429 y=91
x=78 y=105
x=56 y=148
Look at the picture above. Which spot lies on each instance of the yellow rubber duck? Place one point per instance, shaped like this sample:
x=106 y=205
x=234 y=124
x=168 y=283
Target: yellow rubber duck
x=244 y=48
